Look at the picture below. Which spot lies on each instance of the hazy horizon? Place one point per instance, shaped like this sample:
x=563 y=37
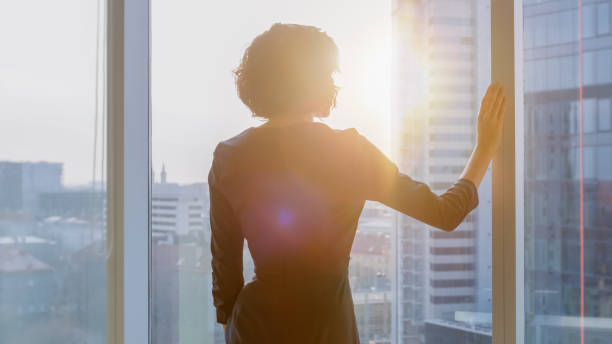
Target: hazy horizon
x=48 y=84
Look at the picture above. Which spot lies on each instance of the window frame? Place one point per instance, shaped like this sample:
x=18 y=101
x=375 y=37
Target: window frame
x=129 y=159
x=507 y=185
x=128 y=193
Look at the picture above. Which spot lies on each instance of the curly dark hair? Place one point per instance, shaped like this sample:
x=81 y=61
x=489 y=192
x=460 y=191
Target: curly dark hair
x=289 y=70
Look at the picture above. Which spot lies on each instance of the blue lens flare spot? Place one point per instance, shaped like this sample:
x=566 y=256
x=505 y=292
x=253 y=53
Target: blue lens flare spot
x=284 y=217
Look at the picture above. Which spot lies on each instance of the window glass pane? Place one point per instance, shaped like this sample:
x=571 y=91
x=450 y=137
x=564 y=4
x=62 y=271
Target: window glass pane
x=554 y=36
x=603 y=18
x=409 y=281
x=553 y=73
x=588 y=20
x=567 y=184
x=445 y=285
x=568 y=20
x=604 y=115
x=604 y=66
x=540 y=30
x=589 y=69
x=529 y=32
x=589 y=162
x=604 y=163
x=541 y=74
x=52 y=172
x=195 y=47
x=590 y=115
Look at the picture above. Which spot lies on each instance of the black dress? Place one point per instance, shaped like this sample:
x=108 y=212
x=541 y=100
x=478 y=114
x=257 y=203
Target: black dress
x=295 y=194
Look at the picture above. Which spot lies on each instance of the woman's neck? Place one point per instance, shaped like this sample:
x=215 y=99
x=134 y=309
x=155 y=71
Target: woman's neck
x=288 y=120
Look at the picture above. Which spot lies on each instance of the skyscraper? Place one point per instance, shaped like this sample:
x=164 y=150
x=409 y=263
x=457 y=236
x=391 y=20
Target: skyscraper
x=567 y=123
x=441 y=69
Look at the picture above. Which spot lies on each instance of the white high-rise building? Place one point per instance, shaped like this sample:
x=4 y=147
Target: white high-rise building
x=441 y=69
x=179 y=209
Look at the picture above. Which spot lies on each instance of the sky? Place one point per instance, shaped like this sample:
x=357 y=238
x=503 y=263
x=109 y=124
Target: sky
x=47 y=83
x=48 y=77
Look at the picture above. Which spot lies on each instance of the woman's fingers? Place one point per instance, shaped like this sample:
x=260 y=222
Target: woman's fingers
x=492 y=99
x=493 y=103
x=487 y=99
x=502 y=110
x=499 y=99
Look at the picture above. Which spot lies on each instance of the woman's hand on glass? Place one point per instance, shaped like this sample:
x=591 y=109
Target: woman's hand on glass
x=491 y=119
x=490 y=123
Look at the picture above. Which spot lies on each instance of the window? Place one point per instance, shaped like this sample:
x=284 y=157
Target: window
x=453 y=275
x=604 y=114
x=567 y=207
x=589 y=67
x=450 y=283
x=604 y=66
x=540 y=30
x=590 y=115
x=604 y=163
x=194 y=106
x=431 y=56
x=52 y=172
x=589 y=21
x=603 y=18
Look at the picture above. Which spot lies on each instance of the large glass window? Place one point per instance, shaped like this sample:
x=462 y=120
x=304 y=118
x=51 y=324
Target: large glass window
x=52 y=172
x=195 y=48
x=567 y=206
x=441 y=57
x=412 y=74
x=410 y=283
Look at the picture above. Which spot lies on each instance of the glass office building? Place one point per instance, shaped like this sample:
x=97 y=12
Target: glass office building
x=567 y=171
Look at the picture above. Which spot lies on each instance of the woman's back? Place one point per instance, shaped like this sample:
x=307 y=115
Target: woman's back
x=288 y=190
x=295 y=194
x=293 y=190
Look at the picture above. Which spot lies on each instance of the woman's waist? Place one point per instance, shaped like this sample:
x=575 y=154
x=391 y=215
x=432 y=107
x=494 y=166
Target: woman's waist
x=332 y=270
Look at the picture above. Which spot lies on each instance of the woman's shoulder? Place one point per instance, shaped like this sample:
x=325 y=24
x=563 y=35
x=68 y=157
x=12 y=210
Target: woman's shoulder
x=339 y=134
x=234 y=142
x=349 y=136
x=224 y=155
x=249 y=137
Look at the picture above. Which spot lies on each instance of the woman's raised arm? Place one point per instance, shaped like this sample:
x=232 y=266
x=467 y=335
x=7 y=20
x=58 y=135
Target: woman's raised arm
x=378 y=179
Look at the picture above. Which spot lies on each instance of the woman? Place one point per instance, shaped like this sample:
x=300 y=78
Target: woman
x=294 y=189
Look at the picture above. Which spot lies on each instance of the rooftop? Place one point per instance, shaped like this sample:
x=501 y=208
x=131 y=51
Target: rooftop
x=14 y=259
